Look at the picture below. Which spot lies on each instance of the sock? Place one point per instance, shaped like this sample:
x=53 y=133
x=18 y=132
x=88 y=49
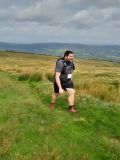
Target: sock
x=71 y=106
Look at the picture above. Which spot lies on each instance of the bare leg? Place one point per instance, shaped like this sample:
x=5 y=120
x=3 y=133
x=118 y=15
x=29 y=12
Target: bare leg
x=54 y=96
x=71 y=93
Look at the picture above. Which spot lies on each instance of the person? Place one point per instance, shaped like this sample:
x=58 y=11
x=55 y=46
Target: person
x=63 y=80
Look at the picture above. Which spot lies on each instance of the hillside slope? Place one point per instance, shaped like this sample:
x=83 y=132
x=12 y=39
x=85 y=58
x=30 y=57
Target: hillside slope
x=30 y=130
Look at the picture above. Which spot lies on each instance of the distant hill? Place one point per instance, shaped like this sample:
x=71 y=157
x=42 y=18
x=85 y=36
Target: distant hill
x=111 y=53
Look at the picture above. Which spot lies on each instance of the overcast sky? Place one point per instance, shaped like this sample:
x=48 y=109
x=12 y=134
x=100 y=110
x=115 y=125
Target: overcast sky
x=75 y=21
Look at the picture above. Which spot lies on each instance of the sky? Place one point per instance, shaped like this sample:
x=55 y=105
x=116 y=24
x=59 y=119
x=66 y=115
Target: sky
x=64 y=21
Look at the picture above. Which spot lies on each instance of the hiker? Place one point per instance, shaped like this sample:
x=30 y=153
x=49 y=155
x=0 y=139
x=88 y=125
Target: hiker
x=63 y=80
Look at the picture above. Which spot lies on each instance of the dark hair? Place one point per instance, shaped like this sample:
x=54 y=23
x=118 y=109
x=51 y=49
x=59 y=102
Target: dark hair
x=68 y=52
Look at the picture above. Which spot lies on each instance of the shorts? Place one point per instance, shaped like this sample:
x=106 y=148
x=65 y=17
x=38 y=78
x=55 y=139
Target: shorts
x=69 y=84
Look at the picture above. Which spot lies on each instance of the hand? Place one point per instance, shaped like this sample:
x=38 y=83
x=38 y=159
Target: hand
x=60 y=91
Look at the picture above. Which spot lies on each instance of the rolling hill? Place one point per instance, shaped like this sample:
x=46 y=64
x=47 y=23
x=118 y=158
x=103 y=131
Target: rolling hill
x=111 y=53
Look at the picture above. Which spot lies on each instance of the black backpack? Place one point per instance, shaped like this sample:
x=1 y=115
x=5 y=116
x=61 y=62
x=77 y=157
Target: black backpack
x=64 y=65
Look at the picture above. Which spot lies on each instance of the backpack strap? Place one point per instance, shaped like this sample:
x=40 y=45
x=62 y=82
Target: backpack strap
x=73 y=65
x=64 y=65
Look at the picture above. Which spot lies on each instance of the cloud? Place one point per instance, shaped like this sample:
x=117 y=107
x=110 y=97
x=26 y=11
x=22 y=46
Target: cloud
x=59 y=19
x=44 y=12
x=38 y=12
x=84 y=19
x=85 y=4
x=111 y=14
x=87 y=19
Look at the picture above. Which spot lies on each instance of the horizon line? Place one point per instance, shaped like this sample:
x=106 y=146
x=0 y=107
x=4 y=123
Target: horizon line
x=25 y=43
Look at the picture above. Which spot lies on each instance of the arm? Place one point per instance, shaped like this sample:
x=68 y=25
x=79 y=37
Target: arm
x=57 y=78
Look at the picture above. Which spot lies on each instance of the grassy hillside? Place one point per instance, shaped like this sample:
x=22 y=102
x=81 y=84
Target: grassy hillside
x=29 y=130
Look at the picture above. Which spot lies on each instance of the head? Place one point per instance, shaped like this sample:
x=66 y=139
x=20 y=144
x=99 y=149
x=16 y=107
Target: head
x=68 y=56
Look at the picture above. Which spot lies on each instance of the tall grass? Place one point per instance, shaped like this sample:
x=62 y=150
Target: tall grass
x=30 y=130
x=100 y=79
x=50 y=76
x=36 y=77
x=23 y=76
x=99 y=88
x=30 y=77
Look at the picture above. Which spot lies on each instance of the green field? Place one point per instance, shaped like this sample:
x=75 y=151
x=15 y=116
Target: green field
x=29 y=130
